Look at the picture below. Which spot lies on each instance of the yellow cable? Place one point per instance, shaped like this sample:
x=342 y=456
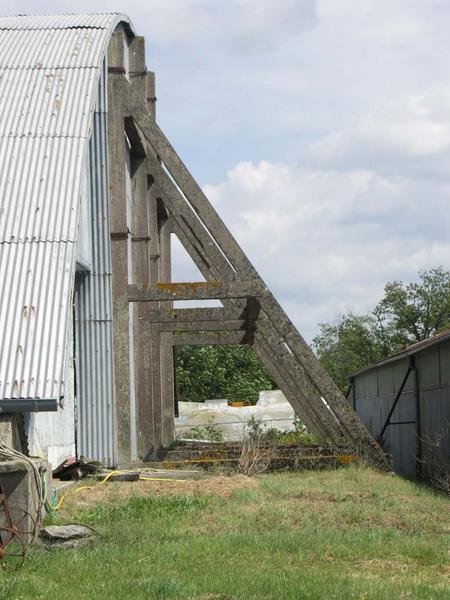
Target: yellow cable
x=59 y=503
x=83 y=487
x=110 y=474
x=90 y=487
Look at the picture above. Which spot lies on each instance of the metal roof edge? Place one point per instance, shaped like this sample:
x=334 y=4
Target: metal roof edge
x=120 y=18
x=411 y=350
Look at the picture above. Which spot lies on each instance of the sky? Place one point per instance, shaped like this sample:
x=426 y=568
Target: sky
x=319 y=129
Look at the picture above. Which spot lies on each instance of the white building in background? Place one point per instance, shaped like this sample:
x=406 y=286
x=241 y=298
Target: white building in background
x=272 y=411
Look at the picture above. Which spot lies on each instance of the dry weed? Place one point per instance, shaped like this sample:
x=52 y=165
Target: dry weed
x=119 y=491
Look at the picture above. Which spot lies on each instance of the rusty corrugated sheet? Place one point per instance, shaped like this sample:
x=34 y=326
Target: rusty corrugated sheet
x=49 y=71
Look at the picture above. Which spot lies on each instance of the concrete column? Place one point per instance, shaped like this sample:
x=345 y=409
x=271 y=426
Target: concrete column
x=140 y=254
x=117 y=89
x=151 y=252
x=166 y=357
x=141 y=236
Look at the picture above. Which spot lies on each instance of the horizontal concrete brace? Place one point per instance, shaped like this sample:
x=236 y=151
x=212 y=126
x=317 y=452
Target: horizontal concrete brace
x=194 y=315
x=239 y=325
x=200 y=290
x=211 y=338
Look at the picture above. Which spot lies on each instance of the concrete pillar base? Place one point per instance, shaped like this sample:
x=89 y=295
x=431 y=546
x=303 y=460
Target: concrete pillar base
x=19 y=485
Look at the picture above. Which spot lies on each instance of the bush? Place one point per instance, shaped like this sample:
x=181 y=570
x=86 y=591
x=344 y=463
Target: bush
x=298 y=437
x=209 y=432
x=231 y=372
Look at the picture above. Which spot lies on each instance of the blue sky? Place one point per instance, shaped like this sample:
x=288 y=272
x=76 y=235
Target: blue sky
x=320 y=129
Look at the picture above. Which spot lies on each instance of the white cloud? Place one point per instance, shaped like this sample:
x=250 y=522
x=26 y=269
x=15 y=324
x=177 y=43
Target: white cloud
x=326 y=240
x=411 y=132
x=243 y=25
x=355 y=91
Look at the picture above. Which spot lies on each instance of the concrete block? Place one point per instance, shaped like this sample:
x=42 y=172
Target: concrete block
x=19 y=485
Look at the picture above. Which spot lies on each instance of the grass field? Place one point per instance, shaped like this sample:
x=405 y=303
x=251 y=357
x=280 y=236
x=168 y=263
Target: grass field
x=345 y=534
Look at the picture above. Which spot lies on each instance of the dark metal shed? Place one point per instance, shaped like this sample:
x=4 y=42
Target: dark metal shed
x=404 y=401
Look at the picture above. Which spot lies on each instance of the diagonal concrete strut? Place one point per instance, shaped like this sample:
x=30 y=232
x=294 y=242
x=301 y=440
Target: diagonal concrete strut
x=281 y=348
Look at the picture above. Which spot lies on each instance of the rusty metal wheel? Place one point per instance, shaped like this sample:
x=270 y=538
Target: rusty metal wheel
x=12 y=548
x=21 y=521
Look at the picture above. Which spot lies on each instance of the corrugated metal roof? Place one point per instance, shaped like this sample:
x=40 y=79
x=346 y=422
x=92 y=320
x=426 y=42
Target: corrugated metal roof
x=40 y=184
x=46 y=102
x=411 y=350
x=63 y=21
x=49 y=48
x=49 y=70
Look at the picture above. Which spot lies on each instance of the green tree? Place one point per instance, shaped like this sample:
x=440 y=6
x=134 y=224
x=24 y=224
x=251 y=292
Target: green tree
x=351 y=343
x=230 y=372
x=418 y=310
x=407 y=313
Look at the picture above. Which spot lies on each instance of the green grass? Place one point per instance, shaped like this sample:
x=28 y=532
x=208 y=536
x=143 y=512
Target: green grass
x=345 y=534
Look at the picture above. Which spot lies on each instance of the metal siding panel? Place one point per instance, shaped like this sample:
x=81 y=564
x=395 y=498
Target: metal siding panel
x=45 y=117
x=404 y=411
x=371 y=384
x=427 y=363
x=435 y=411
x=444 y=364
x=403 y=446
x=84 y=242
x=401 y=440
x=53 y=434
x=400 y=369
x=94 y=310
x=360 y=387
x=35 y=304
x=386 y=380
x=40 y=188
x=371 y=413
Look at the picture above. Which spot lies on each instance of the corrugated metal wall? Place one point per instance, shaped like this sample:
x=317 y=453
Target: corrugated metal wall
x=433 y=366
x=49 y=68
x=373 y=396
x=93 y=313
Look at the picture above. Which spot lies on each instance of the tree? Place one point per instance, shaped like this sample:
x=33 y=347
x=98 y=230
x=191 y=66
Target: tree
x=230 y=372
x=351 y=343
x=417 y=311
x=407 y=313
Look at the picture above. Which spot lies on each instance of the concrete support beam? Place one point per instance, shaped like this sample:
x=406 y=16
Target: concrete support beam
x=201 y=290
x=239 y=325
x=213 y=265
x=310 y=378
x=195 y=315
x=209 y=338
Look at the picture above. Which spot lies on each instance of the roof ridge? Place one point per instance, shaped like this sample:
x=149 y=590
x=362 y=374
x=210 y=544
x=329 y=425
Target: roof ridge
x=67 y=20
x=65 y=14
